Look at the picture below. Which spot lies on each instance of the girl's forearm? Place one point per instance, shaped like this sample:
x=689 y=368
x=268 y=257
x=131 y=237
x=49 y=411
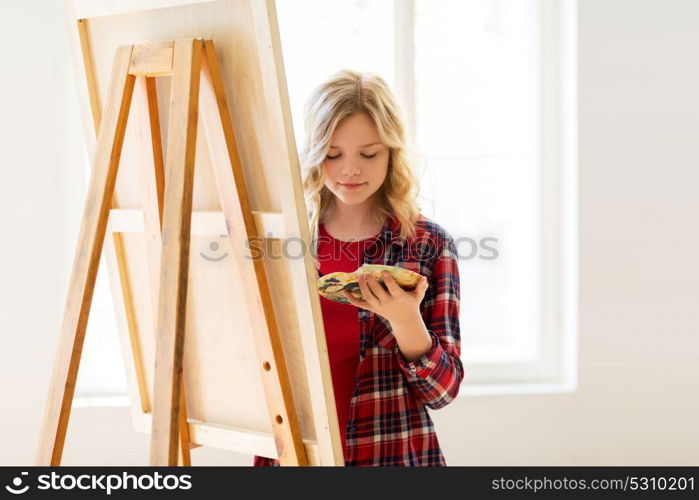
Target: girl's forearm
x=412 y=336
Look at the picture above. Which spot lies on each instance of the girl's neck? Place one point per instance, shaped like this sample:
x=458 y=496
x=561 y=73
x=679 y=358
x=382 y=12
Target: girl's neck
x=352 y=221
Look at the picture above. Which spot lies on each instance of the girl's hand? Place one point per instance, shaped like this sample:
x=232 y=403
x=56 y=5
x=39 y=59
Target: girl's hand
x=394 y=303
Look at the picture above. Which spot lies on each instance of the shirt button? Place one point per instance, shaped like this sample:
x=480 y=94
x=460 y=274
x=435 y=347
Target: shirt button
x=353 y=429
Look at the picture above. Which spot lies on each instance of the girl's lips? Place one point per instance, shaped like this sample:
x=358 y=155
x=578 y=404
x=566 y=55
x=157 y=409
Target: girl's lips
x=352 y=186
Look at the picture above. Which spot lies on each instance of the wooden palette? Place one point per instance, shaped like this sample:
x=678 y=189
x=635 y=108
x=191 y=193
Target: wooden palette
x=331 y=285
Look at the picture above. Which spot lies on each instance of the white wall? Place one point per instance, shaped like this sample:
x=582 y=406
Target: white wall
x=639 y=349
x=638 y=400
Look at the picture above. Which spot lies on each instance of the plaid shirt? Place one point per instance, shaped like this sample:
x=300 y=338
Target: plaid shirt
x=389 y=424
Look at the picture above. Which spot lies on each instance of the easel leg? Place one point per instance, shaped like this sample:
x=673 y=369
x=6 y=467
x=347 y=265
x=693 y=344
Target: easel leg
x=174 y=262
x=147 y=124
x=86 y=262
x=183 y=456
x=230 y=180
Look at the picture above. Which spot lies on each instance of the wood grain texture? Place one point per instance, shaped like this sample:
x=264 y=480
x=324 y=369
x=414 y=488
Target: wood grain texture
x=147 y=126
x=101 y=8
x=241 y=228
x=89 y=94
x=86 y=261
x=174 y=261
x=152 y=59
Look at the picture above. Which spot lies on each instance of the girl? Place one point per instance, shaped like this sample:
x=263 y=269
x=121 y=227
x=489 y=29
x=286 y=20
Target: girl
x=395 y=353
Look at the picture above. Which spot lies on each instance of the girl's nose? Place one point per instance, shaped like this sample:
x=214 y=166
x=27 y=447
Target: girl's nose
x=350 y=169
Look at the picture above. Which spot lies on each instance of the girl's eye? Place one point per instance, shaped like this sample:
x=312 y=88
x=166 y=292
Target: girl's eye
x=337 y=156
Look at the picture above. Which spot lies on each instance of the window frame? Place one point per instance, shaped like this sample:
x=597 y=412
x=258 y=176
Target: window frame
x=555 y=371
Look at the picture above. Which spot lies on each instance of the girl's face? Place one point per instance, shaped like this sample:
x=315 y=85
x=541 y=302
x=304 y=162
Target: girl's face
x=357 y=162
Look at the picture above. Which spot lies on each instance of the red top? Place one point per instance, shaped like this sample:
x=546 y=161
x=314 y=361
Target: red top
x=341 y=321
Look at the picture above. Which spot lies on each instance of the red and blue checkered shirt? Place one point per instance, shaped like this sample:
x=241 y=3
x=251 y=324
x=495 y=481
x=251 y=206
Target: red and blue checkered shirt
x=389 y=423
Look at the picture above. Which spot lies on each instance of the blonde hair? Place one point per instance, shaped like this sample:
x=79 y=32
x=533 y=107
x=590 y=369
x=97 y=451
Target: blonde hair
x=342 y=95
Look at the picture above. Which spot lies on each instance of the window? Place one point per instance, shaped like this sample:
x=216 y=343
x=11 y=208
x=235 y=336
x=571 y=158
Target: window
x=476 y=75
x=489 y=93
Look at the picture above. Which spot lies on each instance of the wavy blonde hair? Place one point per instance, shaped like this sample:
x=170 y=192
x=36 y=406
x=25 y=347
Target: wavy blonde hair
x=342 y=95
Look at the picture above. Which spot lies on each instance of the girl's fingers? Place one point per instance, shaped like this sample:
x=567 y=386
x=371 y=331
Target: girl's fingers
x=366 y=291
x=376 y=287
x=393 y=287
x=353 y=300
x=422 y=287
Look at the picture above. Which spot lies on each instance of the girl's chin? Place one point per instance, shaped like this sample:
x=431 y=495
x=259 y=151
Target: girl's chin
x=353 y=196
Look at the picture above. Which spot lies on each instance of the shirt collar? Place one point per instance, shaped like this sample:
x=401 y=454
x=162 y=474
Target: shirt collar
x=390 y=233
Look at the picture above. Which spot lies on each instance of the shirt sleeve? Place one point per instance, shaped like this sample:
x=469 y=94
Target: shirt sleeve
x=435 y=378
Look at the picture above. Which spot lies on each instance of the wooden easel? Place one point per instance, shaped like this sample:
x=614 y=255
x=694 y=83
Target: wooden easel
x=167 y=205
